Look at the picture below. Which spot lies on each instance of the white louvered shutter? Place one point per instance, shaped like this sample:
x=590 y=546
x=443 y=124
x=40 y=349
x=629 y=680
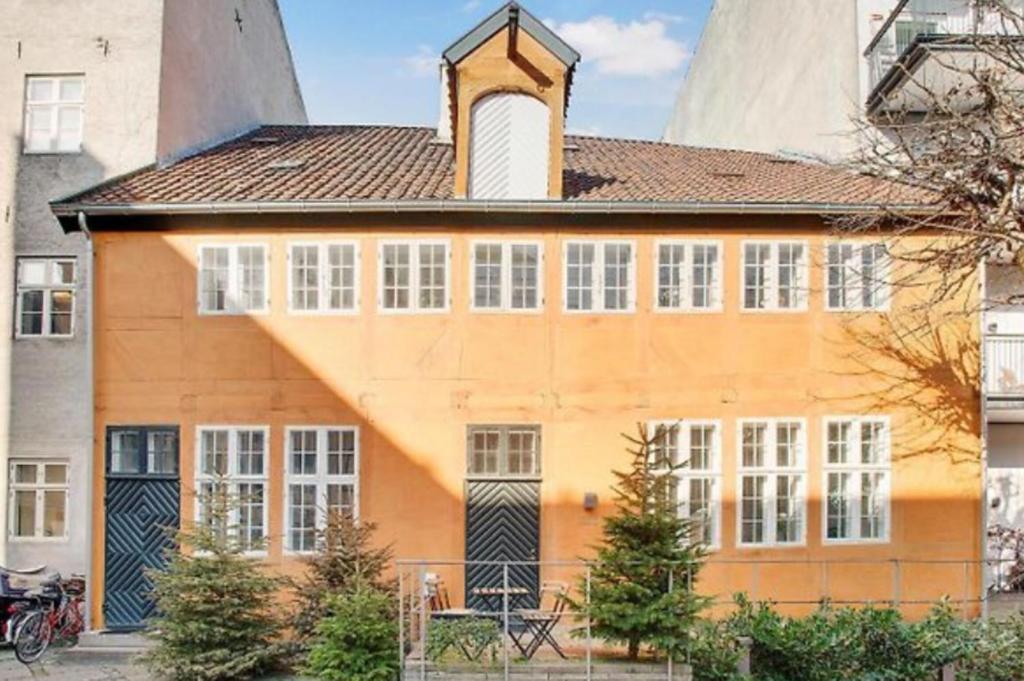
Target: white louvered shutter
x=509 y=148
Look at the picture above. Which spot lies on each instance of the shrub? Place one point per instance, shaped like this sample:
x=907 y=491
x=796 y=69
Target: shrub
x=345 y=561
x=217 y=616
x=641 y=584
x=714 y=653
x=357 y=640
x=470 y=639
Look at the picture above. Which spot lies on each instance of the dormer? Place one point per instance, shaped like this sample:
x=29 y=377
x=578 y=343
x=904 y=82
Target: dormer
x=508 y=92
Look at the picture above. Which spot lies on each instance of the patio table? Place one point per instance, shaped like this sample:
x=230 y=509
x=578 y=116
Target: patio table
x=494 y=597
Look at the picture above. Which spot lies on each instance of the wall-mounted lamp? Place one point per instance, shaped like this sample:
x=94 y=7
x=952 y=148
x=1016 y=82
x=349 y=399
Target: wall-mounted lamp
x=589 y=501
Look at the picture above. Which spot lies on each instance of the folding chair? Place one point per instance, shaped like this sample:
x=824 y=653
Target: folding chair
x=538 y=625
x=439 y=607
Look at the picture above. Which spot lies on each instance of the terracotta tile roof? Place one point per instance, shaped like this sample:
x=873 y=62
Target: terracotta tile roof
x=324 y=163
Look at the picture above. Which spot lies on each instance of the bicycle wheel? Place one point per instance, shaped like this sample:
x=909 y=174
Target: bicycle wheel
x=33 y=637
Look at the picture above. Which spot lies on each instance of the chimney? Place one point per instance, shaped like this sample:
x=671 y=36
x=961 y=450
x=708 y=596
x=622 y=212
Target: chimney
x=444 y=121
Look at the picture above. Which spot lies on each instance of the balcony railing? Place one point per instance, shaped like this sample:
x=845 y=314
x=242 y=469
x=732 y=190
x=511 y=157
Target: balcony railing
x=916 y=21
x=1004 y=366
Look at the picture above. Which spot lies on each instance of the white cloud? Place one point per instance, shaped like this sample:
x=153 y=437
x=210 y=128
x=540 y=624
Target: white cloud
x=423 y=63
x=636 y=48
x=471 y=5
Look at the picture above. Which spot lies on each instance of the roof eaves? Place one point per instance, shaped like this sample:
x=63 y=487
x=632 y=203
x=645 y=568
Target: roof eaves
x=490 y=26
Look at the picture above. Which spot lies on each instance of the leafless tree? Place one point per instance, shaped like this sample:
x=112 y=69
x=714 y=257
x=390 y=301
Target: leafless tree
x=960 y=141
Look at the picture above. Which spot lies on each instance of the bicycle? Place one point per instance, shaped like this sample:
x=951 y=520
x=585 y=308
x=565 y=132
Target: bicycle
x=57 y=615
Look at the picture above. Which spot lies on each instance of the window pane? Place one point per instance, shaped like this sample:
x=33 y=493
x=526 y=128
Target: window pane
x=787 y=441
x=26 y=473
x=214 y=279
x=755 y=259
x=525 y=277
x=303 y=444
x=432 y=267
x=250 y=514
x=341 y=452
x=754 y=444
x=483 y=459
x=124 y=452
x=32 y=272
x=753 y=511
x=252 y=287
x=215 y=452
x=872 y=506
x=700 y=509
x=305 y=278
x=671 y=265
x=397 y=275
x=617 y=264
x=341 y=498
x=705 y=257
x=54 y=509
x=872 y=443
x=162 y=454
x=522 y=452
x=788 y=509
x=61 y=303
x=579 y=293
x=839 y=442
x=69 y=128
x=251 y=447
x=56 y=474
x=302 y=517
x=665 y=448
x=71 y=89
x=32 y=313
x=487 y=275
x=789 y=283
x=701 y=443
x=41 y=90
x=341 y=279
x=839 y=507
x=24 y=520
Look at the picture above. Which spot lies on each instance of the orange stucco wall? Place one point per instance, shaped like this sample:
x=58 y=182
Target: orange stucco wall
x=413 y=382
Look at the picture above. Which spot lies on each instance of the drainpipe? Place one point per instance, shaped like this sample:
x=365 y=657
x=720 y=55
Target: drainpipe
x=83 y=225
x=983 y=357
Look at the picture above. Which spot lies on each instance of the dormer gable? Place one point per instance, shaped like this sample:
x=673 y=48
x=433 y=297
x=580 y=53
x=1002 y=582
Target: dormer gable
x=509 y=80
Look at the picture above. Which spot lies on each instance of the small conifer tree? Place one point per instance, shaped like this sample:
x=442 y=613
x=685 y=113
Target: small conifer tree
x=345 y=561
x=641 y=584
x=217 y=618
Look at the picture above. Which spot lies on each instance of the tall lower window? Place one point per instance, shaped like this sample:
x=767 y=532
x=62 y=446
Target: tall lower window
x=46 y=297
x=772 y=482
x=857 y=479
x=414 y=276
x=507 y=276
x=233 y=279
x=774 y=275
x=323 y=477
x=503 y=451
x=323 y=277
x=54 y=114
x=689 y=275
x=599 y=276
x=39 y=500
x=857 y=276
x=237 y=459
x=691 y=450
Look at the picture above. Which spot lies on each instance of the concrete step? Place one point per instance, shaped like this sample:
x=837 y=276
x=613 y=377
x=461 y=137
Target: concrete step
x=112 y=639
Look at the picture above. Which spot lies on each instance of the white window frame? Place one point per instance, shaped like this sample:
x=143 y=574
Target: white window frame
x=47 y=288
x=503 y=431
x=771 y=277
x=54 y=105
x=321 y=478
x=414 y=276
x=233 y=309
x=233 y=479
x=684 y=474
x=323 y=278
x=506 y=277
x=686 y=281
x=772 y=471
x=854 y=286
x=856 y=469
x=597 y=287
x=40 y=487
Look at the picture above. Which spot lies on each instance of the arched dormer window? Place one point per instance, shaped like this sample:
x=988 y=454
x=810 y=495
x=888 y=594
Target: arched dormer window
x=509 y=147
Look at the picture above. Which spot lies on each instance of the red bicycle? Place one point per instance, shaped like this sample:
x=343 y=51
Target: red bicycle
x=57 y=615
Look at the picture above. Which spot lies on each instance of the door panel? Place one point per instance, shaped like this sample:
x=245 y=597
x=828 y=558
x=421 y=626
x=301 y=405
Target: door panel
x=502 y=524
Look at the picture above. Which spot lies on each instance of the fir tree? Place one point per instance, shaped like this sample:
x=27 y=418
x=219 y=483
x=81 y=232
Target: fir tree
x=217 y=617
x=641 y=586
x=345 y=561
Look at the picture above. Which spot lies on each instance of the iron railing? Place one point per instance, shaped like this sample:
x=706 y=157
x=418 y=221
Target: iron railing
x=433 y=591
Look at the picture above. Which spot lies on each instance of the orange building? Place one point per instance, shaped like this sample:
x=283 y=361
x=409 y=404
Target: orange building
x=424 y=330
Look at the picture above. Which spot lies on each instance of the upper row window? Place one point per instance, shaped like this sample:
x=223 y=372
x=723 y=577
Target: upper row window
x=599 y=276
x=46 y=297
x=54 y=114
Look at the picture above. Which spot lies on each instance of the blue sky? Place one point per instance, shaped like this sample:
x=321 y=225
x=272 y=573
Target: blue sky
x=374 y=62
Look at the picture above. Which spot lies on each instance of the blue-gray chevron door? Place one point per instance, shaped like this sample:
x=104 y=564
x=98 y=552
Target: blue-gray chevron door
x=142 y=507
x=502 y=526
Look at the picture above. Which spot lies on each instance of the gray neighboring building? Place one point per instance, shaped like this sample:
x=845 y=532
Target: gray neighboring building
x=793 y=81
x=89 y=90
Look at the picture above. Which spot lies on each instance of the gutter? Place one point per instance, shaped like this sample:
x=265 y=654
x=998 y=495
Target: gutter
x=90 y=400
x=65 y=211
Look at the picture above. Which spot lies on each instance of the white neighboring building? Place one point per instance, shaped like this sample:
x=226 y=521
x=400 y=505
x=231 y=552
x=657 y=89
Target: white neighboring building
x=793 y=81
x=89 y=90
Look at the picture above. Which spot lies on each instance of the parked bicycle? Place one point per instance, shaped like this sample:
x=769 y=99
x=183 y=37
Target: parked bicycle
x=16 y=597
x=56 y=615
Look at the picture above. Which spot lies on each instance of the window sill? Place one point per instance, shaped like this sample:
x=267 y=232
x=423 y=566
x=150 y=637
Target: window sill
x=40 y=336
x=37 y=540
x=31 y=152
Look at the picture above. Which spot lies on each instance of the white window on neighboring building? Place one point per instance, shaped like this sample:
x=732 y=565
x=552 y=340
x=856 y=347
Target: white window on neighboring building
x=772 y=482
x=600 y=276
x=688 y=275
x=321 y=476
x=857 y=479
x=46 y=297
x=54 y=114
x=38 y=500
x=236 y=457
x=414 y=276
x=233 y=279
x=503 y=451
x=774 y=275
x=507 y=276
x=692 y=451
x=323 y=277
x=857 y=276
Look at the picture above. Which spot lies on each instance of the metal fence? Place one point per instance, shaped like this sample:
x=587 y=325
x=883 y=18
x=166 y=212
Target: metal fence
x=512 y=625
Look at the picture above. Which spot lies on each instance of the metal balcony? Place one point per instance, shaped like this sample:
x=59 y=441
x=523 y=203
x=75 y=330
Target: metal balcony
x=1004 y=367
